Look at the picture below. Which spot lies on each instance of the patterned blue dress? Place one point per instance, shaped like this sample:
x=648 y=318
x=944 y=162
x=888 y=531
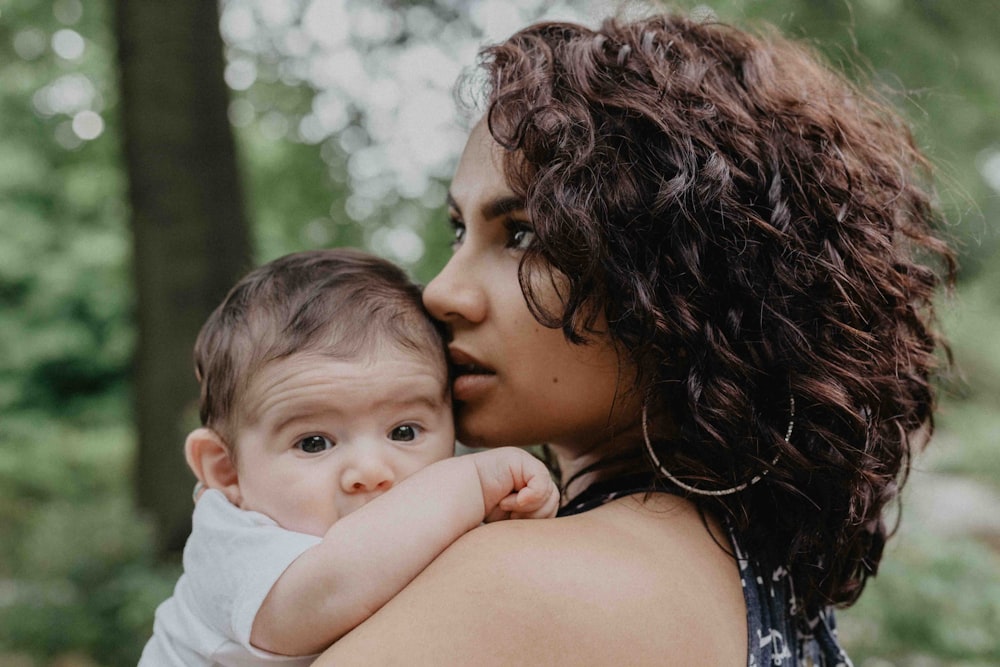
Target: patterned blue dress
x=775 y=635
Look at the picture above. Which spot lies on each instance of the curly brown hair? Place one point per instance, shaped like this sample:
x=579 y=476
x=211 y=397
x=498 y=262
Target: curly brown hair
x=752 y=226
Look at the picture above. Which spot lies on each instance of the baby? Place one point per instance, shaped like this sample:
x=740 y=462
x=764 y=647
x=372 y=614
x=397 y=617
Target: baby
x=323 y=386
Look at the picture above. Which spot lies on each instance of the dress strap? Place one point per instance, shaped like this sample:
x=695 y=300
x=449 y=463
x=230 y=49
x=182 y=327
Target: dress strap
x=605 y=491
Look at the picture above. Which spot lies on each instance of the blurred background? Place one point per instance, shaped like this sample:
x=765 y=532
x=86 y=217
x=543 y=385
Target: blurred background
x=151 y=152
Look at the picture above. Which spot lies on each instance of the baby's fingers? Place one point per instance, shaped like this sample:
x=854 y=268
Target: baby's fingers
x=532 y=502
x=498 y=513
x=509 y=503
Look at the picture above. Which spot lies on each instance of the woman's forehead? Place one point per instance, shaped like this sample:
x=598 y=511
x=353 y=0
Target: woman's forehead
x=480 y=175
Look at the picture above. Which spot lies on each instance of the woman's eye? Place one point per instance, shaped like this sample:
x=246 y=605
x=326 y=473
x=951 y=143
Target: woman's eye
x=520 y=236
x=404 y=433
x=314 y=444
x=458 y=231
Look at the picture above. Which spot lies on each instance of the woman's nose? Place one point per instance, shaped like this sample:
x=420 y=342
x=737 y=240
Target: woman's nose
x=455 y=292
x=367 y=472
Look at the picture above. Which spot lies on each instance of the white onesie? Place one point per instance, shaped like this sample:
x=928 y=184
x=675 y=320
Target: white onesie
x=231 y=561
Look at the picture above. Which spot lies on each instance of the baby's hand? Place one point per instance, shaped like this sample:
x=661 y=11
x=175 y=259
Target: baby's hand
x=530 y=502
x=515 y=485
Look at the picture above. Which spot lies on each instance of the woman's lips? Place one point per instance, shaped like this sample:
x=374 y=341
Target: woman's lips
x=467 y=388
x=471 y=379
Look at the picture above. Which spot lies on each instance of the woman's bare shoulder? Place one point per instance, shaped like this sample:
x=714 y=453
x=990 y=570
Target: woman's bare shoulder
x=620 y=584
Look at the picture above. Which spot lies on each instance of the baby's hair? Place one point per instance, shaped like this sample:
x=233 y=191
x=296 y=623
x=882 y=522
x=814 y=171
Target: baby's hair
x=753 y=229
x=338 y=303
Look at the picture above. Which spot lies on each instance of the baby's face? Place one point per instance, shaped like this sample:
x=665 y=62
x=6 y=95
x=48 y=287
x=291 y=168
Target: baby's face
x=327 y=436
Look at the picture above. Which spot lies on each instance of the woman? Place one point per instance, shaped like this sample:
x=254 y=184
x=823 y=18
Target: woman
x=685 y=260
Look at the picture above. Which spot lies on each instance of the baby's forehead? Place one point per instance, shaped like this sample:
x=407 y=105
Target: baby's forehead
x=386 y=361
x=381 y=355
x=310 y=382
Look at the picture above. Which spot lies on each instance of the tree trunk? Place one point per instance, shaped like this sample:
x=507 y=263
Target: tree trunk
x=191 y=239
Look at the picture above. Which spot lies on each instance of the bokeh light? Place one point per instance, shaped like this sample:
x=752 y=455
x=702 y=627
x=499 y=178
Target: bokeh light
x=30 y=43
x=88 y=125
x=68 y=44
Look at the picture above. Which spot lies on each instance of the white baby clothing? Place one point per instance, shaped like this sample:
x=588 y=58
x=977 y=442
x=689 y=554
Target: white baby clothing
x=231 y=560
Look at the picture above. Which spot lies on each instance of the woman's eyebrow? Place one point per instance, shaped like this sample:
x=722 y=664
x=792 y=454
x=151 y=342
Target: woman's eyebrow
x=452 y=203
x=494 y=208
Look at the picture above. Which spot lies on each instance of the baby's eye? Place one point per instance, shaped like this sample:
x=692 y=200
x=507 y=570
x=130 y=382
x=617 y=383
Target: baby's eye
x=404 y=433
x=314 y=444
x=520 y=235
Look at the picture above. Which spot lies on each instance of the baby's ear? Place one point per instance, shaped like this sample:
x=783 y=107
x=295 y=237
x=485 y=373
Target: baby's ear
x=211 y=463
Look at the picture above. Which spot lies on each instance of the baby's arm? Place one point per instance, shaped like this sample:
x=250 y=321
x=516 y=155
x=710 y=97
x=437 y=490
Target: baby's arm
x=371 y=554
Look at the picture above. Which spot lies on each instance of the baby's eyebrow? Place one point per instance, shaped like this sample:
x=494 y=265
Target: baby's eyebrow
x=399 y=401
x=293 y=418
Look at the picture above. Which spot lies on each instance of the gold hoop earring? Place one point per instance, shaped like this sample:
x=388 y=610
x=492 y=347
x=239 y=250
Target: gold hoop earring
x=720 y=492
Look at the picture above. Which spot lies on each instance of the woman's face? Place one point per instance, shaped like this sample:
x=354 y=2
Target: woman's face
x=517 y=382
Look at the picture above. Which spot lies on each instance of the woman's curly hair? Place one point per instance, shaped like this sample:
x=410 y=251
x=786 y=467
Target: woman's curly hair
x=754 y=229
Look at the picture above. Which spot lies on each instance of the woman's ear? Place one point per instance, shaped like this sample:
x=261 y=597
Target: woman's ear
x=210 y=461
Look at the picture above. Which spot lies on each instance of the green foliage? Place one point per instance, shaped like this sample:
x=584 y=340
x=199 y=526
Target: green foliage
x=934 y=602
x=77 y=569
x=295 y=200
x=969 y=418
x=969 y=432
x=64 y=285
x=298 y=191
x=93 y=584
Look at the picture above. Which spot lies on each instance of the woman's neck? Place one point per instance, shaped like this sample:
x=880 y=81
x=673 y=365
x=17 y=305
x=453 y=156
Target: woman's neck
x=571 y=463
x=579 y=467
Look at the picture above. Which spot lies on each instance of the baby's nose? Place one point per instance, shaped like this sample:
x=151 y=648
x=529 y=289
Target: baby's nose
x=367 y=473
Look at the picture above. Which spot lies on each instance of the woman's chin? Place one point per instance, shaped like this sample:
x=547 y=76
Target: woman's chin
x=474 y=429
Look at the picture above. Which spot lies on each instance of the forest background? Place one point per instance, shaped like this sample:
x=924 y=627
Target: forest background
x=152 y=151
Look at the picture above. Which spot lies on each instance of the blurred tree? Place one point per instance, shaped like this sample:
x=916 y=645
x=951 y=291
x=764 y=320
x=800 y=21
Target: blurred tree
x=190 y=231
